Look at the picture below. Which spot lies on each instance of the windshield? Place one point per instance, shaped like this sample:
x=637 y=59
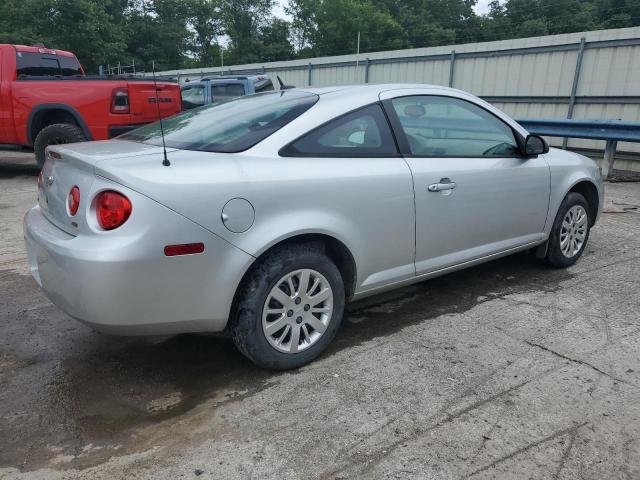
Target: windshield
x=233 y=126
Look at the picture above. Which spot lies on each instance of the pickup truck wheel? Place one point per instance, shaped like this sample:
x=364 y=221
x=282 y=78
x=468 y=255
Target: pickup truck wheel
x=289 y=307
x=55 y=135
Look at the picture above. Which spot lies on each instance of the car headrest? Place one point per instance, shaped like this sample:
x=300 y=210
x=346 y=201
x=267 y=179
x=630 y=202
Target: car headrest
x=414 y=111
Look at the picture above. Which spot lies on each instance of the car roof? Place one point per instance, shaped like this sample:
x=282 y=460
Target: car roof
x=36 y=49
x=369 y=87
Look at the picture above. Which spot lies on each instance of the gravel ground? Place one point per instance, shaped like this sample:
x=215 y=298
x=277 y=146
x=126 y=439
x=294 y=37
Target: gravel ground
x=506 y=370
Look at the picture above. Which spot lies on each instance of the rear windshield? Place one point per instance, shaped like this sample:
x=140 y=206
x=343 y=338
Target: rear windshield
x=233 y=126
x=45 y=65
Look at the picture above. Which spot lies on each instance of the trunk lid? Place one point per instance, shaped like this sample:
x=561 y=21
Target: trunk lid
x=76 y=167
x=146 y=97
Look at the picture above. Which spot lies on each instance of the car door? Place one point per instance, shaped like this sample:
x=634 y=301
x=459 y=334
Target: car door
x=475 y=195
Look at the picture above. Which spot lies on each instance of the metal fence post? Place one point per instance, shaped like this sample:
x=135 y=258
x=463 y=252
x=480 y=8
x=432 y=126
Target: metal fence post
x=310 y=68
x=574 y=87
x=609 y=156
x=366 y=70
x=451 y=64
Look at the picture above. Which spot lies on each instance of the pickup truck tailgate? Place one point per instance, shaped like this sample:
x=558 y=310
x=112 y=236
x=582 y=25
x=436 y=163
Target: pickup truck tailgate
x=145 y=97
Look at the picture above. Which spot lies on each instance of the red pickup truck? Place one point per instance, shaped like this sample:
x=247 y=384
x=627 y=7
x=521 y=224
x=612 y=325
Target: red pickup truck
x=46 y=98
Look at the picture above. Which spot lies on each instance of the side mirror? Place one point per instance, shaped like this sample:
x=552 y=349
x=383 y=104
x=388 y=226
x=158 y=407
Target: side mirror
x=535 y=145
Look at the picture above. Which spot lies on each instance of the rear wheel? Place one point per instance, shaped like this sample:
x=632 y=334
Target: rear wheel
x=56 y=134
x=570 y=231
x=289 y=307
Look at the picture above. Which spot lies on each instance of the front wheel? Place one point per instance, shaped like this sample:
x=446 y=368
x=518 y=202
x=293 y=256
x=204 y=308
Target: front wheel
x=289 y=307
x=570 y=231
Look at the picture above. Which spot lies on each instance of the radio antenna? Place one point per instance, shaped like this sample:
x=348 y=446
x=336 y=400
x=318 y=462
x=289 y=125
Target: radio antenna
x=165 y=161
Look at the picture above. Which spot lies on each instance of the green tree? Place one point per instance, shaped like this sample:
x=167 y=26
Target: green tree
x=205 y=19
x=274 y=39
x=330 y=27
x=242 y=20
x=303 y=23
x=83 y=26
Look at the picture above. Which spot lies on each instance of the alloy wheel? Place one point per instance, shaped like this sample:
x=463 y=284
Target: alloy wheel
x=573 y=231
x=297 y=311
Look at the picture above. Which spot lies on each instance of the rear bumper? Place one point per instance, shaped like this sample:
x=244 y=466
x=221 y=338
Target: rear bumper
x=130 y=289
x=116 y=130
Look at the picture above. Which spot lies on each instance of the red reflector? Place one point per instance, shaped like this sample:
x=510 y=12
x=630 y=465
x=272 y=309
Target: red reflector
x=184 y=249
x=73 y=201
x=112 y=209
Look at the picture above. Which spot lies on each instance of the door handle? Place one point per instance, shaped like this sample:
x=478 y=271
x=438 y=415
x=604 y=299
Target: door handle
x=443 y=185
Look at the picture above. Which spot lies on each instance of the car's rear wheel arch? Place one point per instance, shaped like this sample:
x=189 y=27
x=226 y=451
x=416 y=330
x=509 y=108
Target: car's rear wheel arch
x=336 y=250
x=589 y=191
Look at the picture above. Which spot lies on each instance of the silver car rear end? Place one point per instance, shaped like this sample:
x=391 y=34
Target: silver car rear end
x=121 y=281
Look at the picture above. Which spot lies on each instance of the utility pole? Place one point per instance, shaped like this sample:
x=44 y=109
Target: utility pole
x=221 y=57
x=357 y=57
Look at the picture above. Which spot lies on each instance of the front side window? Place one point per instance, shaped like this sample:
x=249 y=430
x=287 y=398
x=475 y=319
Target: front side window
x=364 y=132
x=233 y=126
x=192 y=96
x=226 y=91
x=451 y=127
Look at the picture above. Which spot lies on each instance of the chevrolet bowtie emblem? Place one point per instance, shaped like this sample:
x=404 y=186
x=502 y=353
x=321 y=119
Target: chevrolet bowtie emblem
x=49 y=180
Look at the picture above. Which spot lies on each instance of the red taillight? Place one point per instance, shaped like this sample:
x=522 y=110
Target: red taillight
x=120 y=100
x=112 y=209
x=183 y=249
x=73 y=200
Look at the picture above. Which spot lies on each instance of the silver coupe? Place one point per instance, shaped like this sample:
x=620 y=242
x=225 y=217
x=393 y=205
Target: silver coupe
x=269 y=212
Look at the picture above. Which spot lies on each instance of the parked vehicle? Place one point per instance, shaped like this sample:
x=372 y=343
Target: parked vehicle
x=46 y=99
x=222 y=88
x=278 y=208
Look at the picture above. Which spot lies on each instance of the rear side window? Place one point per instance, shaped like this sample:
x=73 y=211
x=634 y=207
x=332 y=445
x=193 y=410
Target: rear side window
x=225 y=91
x=231 y=126
x=45 y=65
x=363 y=132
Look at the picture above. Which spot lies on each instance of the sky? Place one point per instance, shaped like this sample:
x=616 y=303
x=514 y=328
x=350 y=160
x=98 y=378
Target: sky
x=481 y=7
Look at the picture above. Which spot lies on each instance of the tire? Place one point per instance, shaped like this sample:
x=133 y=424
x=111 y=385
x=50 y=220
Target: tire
x=577 y=204
x=54 y=135
x=249 y=321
